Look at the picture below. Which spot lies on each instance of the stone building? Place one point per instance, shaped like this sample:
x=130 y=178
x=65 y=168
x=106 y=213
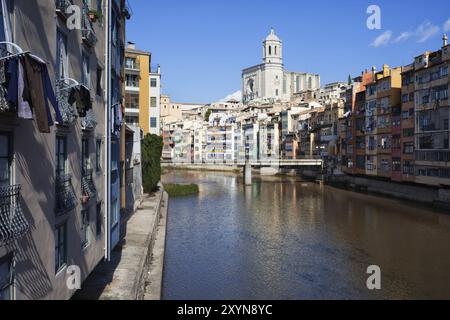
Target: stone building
x=269 y=81
x=55 y=190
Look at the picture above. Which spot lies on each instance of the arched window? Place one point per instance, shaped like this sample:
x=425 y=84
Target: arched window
x=275 y=50
x=270 y=50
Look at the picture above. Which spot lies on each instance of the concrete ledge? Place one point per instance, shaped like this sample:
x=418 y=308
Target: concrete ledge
x=153 y=290
x=124 y=277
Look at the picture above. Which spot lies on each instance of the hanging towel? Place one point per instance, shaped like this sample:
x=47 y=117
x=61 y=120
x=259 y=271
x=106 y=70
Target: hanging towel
x=38 y=91
x=24 y=109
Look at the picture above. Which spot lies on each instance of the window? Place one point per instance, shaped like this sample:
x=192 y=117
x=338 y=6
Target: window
x=62 y=60
x=60 y=247
x=99 y=88
x=409 y=132
x=396 y=164
x=153 y=122
x=86 y=76
x=5 y=159
x=61 y=156
x=153 y=102
x=408 y=167
x=84 y=155
x=98 y=219
x=153 y=82
x=408 y=148
x=85 y=228
x=130 y=63
x=132 y=80
x=98 y=155
x=114 y=212
x=6 y=279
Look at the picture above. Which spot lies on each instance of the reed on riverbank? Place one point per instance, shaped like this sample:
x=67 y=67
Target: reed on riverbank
x=181 y=190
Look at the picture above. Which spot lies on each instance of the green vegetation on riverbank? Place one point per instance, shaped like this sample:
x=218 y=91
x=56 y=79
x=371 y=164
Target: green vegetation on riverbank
x=152 y=146
x=181 y=190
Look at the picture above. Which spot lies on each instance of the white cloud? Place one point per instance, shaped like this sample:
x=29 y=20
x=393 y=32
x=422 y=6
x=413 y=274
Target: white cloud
x=403 y=37
x=426 y=30
x=447 y=26
x=234 y=96
x=382 y=40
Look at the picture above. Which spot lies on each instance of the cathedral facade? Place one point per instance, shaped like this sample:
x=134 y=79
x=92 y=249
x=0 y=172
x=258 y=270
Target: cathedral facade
x=269 y=82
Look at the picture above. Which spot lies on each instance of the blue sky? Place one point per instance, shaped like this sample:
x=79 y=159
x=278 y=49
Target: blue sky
x=202 y=45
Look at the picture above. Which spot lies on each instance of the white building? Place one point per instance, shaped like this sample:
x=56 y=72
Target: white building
x=155 y=101
x=269 y=81
x=332 y=92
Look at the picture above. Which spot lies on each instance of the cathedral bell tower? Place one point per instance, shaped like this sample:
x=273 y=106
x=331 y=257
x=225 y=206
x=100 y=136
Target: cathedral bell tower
x=272 y=49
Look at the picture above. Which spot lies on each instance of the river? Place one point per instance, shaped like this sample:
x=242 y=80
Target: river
x=283 y=238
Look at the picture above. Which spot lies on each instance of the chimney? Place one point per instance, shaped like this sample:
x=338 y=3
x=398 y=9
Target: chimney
x=374 y=70
x=131 y=45
x=444 y=40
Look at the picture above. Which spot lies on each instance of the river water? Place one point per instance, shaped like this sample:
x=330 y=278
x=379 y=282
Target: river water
x=283 y=238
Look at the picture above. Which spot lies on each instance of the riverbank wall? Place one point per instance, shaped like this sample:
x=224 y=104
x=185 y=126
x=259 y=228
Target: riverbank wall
x=437 y=197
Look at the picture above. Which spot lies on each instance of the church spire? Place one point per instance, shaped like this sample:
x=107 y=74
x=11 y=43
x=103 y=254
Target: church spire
x=272 y=52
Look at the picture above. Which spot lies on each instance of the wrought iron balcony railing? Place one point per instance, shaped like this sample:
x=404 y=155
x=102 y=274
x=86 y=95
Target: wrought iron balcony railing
x=89 y=122
x=62 y=5
x=13 y=224
x=87 y=185
x=68 y=112
x=88 y=33
x=66 y=199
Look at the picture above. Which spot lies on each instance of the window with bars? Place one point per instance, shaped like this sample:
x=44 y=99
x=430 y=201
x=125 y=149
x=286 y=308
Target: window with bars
x=6 y=278
x=60 y=247
x=85 y=228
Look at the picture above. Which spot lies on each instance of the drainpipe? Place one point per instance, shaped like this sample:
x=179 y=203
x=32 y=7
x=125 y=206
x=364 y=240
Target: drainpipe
x=107 y=165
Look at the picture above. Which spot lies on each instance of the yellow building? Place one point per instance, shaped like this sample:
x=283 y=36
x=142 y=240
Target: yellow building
x=137 y=87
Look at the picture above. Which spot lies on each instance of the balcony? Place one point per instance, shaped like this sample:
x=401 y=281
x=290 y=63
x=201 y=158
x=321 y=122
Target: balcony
x=89 y=122
x=65 y=194
x=87 y=33
x=13 y=224
x=61 y=7
x=68 y=112
x=88 y=189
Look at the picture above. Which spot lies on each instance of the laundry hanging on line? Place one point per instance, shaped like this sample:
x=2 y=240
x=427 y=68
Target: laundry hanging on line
x=25 y=88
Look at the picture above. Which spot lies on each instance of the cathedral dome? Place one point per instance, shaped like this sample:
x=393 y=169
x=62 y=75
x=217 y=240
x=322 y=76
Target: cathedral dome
x=272 y=36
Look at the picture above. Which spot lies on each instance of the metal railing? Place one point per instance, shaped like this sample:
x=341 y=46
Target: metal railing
x=66 y=199
x=13 y=224
x=89 y=122
x=87 y=32
x=87 y=184
x=68 y=112
x=62 y=5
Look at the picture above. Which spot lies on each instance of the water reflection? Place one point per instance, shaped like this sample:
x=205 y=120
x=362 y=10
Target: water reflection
x=282 y=238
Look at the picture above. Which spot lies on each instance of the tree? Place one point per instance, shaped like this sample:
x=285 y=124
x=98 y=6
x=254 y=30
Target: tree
x=152 y=147
x=207 y=114
x=350 y=81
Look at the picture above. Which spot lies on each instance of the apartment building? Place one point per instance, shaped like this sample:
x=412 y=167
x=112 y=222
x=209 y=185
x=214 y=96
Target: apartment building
x=407 y=125
x=155 y=100
x=432 y=113
x=54 y=213
x=388 y=92
x=137 y=87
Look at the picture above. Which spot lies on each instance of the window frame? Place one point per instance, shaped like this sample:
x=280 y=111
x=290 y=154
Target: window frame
x=9 y=284
x=98 y=155
x=85 y=219
x=60 y=242
x=58 y=153
x=9 y=157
